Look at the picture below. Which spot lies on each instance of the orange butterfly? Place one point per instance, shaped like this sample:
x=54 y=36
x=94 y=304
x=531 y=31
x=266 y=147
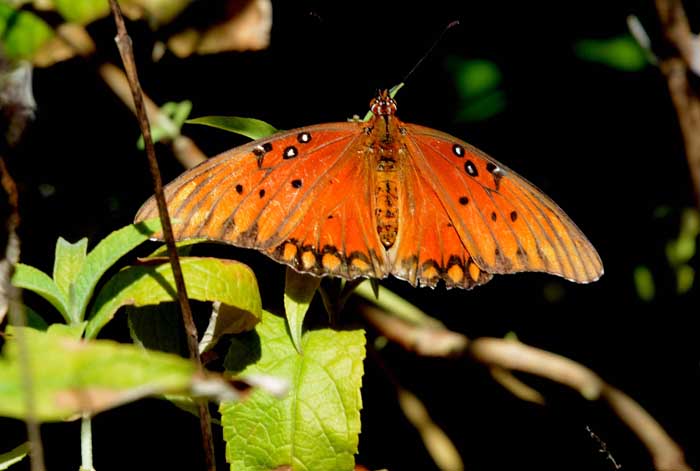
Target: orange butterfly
x=370 y=199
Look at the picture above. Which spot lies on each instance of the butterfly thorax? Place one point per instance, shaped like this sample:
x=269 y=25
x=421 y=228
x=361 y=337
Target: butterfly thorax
x=385 y=151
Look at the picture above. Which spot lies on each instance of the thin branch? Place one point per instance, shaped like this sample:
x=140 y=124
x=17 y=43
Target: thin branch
x=17 y=317
x=676 y=66
x=125 y=50
x=511 y=355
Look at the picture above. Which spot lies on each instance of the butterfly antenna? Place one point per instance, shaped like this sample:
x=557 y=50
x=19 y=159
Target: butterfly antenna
x=429 y=51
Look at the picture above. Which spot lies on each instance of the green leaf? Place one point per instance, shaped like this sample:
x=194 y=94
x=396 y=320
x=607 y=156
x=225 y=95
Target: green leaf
x=644 y=282
x=482 y=107
x=67 y=263
x=206 y=279
x=70 y=376
x=74 y=331
x=249 y=127
x=102 y=257
x=299 y=290
x=395 y=304
x=621 y=52
x=13 y=456
x=82 y=11
x=316 y=426
x=22 y=33
x=685 y=276
x=224 y=320
x=168 y=123
x=158 y=327
x=30 y=278
x=474 y=77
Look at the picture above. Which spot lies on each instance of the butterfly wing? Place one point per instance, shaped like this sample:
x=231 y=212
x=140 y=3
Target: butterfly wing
x=301 y=196
x=503 y=222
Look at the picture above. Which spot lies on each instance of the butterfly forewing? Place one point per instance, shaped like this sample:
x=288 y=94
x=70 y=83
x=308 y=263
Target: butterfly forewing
x=301 y=196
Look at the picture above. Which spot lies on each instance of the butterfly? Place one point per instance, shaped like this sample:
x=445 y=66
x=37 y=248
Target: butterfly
x=377 y=198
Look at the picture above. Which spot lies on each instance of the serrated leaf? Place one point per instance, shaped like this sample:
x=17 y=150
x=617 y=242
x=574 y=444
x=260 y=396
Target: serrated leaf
x=299 y=290
x=70 y=376
x=67 y=263
x=206 y=279
x=102 y=257
x=13 y=456
x=621 y=52
x=22 y=32
x=27 y=277
x=316 y=426
x=82 y=11
x=249 y=127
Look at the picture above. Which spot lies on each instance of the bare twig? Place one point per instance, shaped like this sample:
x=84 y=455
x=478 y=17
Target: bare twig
x=125 y=50
x=511 y=355
x=676 y=65
x=17 y=317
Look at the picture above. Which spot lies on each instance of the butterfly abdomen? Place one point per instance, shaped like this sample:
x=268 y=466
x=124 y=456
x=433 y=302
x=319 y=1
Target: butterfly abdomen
x=386 y=196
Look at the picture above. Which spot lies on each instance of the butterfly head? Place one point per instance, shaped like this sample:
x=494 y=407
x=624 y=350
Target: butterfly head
x=383 y=104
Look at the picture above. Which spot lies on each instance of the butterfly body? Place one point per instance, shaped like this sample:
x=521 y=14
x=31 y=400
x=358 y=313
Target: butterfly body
x=370 y=199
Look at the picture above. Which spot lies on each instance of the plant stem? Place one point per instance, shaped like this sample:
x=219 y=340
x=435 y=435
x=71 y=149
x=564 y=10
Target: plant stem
x=86 y=444
x=126 y=52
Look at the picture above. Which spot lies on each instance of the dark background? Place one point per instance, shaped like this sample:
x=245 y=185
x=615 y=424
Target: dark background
x=601 y=142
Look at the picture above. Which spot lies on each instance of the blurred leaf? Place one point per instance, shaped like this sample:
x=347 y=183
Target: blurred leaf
x=13 y=456
x=478 y=84
x=474 y=77
x=82 y=11
x=206 y=279
x=690 y=222
x=71 y=376
x=168 y=123
x=316 y=426
x=299 y=290
x=71 y=39
x=74 y=331
x=246 y=26
x=680 y=250
x=644 y=282
x=621 y=52
x=482 y=107
x=249 y=127
x=685 y=277
x=395 y=304
x=22 y=33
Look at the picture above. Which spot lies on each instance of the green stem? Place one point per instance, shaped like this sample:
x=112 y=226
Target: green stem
x=86 y=444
